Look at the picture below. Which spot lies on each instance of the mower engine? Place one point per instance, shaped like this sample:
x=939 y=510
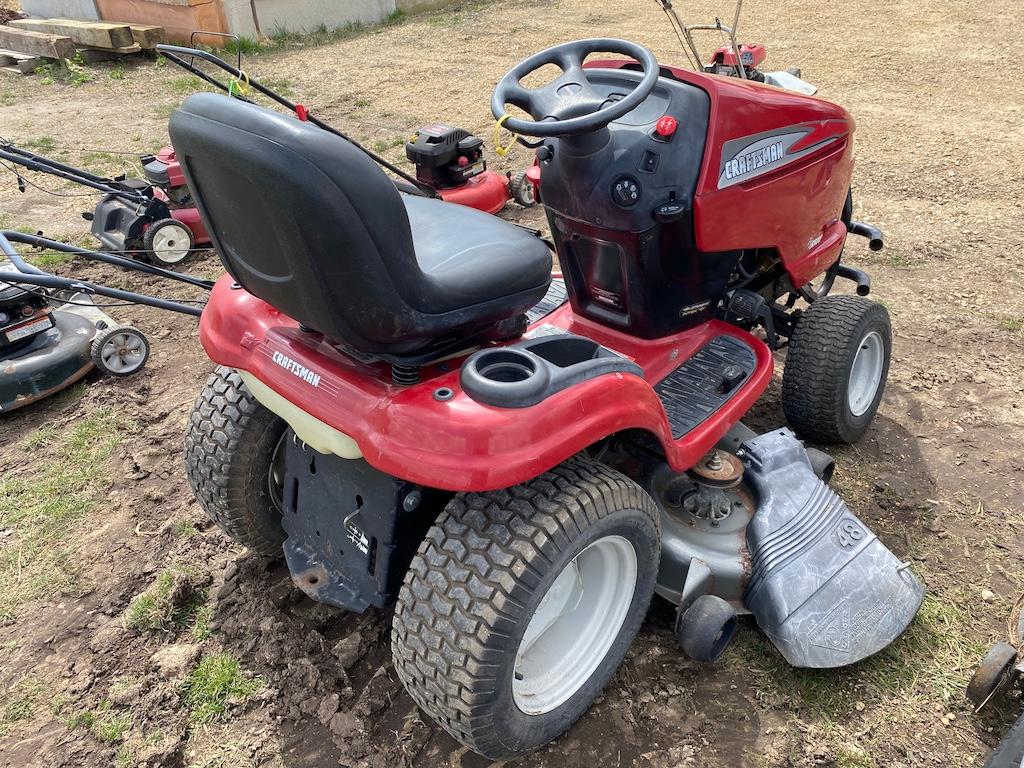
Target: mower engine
x=444 y=156
x=23 y=316
x=725 y=62
x=164 y=172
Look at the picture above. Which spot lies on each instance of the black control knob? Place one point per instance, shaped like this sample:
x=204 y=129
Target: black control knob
x=626 y=191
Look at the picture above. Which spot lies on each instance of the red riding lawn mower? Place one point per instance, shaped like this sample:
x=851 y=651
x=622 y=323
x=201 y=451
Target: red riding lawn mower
x=415 y=411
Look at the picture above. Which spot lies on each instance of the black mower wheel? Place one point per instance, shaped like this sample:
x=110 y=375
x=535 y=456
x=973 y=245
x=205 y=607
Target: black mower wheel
x=120 y=350
x=705 y=629
x=521 y=604
x=993 y=676
x=232 y=459
x=168 y=242
x=521 y=189
x=836 y=367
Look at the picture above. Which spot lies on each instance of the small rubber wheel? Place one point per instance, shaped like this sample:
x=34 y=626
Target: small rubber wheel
x=1010 y=751
x=705 y=629
x=993 y=675
x=521 y=604
x=120 y=350
x=234 y=460
x=836 y=367
x=521 y=189
x=168 y=241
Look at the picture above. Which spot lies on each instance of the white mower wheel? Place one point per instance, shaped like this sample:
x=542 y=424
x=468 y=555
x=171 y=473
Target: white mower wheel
x=521 y=189
x=120 y=351
x=521 y=604
x=168 y=241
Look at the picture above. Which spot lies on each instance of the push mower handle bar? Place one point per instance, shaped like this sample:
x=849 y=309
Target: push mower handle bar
x=31 y=275
x=40 y=164
x=177 y=54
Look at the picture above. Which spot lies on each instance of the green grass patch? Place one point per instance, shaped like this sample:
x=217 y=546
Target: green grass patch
x=42 y=507
x=50 y=259
x=244 y=45
x=7 y=98
x=69 y=71
x=19 y=702
x=105 y=723
x=169 y=603
x=42 y=144
x=185 y=85
x=214 y=683
x=201 y=629
x=185 y=529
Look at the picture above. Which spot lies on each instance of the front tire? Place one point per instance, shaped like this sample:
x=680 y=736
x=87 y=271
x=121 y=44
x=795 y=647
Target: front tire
x=521 y=604
x=836 y=367
x=234 y=462
x=168 y=242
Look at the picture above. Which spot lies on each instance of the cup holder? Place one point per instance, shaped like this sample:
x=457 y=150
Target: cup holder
x=524 y=374
x=507 y=366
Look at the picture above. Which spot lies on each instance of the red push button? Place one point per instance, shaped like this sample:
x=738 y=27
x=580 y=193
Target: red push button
x=666 y=126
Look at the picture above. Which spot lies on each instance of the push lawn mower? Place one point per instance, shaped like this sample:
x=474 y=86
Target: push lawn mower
x=732 y=59
x=52 y=333
x=413 y=410
x=449 y=161
x=1000 y=671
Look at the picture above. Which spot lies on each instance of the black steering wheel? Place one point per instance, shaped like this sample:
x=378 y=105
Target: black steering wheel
x=570 y=104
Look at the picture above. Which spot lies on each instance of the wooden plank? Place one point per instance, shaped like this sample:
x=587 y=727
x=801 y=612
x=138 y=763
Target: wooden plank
x=97 y=34
x=21 y=63
x=148 y=36
x=125 y=51
x=37 y=43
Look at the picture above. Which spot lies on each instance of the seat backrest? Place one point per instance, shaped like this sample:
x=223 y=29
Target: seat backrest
x=302 y=219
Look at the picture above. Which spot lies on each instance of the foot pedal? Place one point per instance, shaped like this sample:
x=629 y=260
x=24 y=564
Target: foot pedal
x=822 y=586
x=704 y=383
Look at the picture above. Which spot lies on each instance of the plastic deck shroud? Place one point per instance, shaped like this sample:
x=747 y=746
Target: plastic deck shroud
x=455 y=443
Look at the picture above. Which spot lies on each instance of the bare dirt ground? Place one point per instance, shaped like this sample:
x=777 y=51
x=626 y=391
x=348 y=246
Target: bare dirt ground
x=94 y=506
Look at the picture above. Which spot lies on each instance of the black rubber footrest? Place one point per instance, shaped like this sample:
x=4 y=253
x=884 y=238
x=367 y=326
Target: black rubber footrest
x=705 y=382
x=556 y=296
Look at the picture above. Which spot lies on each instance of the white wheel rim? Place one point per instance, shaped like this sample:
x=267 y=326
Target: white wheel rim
x=574 y=625
x=866 y=373
x=171 y=243
x=123 y=353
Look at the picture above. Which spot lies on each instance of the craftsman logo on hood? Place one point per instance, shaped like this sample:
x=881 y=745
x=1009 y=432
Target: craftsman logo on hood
x=296 y=369
x=752 y=156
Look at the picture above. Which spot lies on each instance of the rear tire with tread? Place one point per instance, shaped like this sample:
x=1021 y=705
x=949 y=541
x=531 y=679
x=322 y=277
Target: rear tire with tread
x=229 y=446
x=821 y=355
x=479 y=577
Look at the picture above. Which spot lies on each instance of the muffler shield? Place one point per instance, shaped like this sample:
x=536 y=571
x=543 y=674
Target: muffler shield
x=822 y=586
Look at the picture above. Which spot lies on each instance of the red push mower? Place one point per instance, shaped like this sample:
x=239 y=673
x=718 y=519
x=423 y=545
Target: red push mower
x=732 y=59
x=416 y=412
x=449 y=162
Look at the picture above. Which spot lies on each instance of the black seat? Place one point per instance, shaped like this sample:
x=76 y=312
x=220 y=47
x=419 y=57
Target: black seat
x=308 y=223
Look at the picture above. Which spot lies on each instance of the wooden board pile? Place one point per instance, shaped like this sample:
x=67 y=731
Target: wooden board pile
x=26 y=44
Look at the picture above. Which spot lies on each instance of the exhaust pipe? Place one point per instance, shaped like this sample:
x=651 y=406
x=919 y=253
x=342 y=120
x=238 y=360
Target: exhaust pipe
x=860 y=278
x=876 y=240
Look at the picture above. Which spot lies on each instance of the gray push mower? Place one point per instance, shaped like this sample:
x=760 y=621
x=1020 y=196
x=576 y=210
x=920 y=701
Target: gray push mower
x=52 y=332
